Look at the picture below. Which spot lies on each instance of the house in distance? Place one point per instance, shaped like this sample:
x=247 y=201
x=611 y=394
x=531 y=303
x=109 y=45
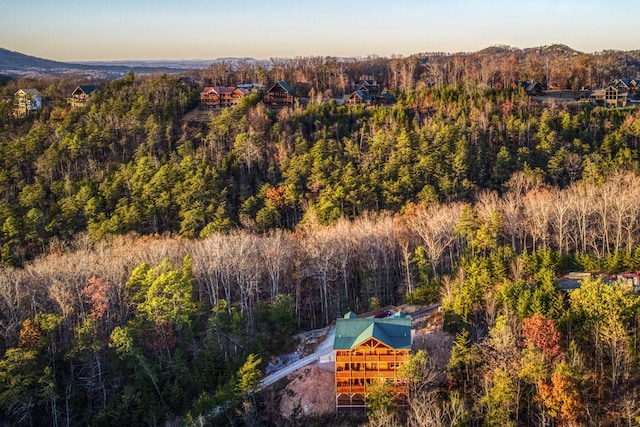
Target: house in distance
x=610 y=96
x=28 y=100
x=368 y=350
x=221 y=96
x=280 y=94
x=360 y=97
x=368 y=85
x=367 y=92
x=80 y=96
x=532 y=88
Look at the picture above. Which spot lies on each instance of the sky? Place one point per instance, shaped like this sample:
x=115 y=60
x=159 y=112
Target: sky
x=93 y=30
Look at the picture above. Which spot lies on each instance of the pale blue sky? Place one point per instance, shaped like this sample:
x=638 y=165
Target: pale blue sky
x=74 y=30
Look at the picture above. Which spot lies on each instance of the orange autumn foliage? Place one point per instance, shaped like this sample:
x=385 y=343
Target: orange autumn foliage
x=562 y=397
x=542 y=333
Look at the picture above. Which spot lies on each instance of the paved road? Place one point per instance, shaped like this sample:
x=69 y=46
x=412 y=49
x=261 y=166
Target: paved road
x=424 y=311
x=324 y=349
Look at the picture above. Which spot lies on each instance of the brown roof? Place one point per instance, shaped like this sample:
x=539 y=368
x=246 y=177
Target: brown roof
x=220 y=90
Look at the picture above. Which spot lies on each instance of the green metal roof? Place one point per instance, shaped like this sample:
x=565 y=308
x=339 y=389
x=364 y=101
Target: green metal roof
x=362 y=95
x=394 y=332
x=283 y=85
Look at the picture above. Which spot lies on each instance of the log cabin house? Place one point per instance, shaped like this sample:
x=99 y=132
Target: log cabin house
x=238 y=94
x=360 y=97
x=80 y=96
x=366 y=351
x=532 y=88
x=610 y=96
x=368 y=86
x=221 y=96
x=280 y=94
x=216 y=96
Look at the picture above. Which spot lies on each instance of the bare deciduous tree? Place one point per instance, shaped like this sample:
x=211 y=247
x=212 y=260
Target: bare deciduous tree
x=579 y=197
x=537 y=210
x=560 y=219
x=276 y=251
x=436 y=227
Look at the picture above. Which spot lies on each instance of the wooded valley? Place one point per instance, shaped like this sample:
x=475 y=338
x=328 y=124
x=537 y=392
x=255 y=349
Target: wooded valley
x=148 y=262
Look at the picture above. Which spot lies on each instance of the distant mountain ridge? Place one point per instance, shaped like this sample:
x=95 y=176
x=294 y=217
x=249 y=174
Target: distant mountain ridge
x=549 y=49
x=15 y=64
x=167 y=63
x=19 y=64
x=10 y=60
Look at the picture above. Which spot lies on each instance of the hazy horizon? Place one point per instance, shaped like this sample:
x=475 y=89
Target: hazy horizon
x=166 y=30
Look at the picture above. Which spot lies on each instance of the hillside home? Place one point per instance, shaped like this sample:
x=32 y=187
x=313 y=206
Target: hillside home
x=80 y=96
x=280 y=94
x=532 y=88
x=188 y=83
x=360 y=97
x=384 y=98
x=221 y=96
x=28 y=100
x=367 y=351
x=216 y=96
x=238 y=94
x=610 y=97
x=370 y=86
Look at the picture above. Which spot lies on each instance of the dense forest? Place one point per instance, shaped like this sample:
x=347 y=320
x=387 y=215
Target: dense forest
x=149 y=263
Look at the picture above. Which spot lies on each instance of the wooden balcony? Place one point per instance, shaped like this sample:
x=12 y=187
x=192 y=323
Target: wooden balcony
x=384 y=358
x=350 y=389
x=278 y=99
x=393 y=358
x=357 y=374
x=369 y=373
x=398 y=389
x=381 y=373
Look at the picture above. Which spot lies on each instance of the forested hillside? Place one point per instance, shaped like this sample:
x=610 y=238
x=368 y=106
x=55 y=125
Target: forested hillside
x=128 y=164
x=146 y=258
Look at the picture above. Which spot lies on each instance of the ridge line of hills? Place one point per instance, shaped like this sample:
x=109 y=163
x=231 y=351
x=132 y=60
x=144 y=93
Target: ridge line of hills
x=16 y=64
